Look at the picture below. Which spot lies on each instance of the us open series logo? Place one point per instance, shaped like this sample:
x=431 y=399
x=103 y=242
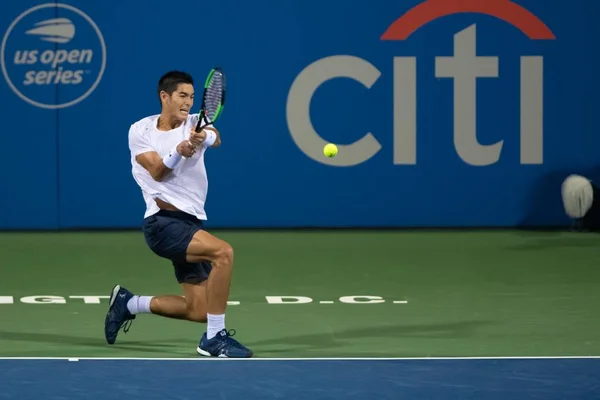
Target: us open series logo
x=53 y=56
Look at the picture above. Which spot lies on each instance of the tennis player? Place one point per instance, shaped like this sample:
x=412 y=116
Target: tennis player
x=167 y=158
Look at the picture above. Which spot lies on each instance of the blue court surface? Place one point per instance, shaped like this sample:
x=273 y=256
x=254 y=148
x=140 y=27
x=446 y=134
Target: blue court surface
x=456 y=378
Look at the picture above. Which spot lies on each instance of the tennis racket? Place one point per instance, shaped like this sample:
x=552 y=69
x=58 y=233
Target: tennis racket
x=213 y=98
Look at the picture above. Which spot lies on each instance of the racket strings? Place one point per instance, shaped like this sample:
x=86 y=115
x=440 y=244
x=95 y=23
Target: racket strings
x=214 y=94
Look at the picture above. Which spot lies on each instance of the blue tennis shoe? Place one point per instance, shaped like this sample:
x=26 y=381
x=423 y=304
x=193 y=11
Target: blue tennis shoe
x=223 y=345
x=118 y=315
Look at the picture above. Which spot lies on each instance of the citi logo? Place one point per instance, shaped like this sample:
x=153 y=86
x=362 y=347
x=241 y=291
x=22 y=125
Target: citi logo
x=464 y=67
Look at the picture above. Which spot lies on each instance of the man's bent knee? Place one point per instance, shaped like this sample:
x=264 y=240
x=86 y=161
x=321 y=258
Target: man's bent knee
x=206 y=247
x=224 y=256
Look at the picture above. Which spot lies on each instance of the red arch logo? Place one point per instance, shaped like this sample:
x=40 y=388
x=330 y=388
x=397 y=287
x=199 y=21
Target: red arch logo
x=506 y=10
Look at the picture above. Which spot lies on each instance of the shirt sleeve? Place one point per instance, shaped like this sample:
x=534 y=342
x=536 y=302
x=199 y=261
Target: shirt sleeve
x=138 y=141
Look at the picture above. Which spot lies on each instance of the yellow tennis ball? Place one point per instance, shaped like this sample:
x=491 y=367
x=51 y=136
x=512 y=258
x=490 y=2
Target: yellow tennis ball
x=330 y=150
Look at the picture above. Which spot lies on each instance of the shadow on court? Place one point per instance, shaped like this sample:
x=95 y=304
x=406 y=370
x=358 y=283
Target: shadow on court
x=327 y=340
x=156 y=346
x=583 y=241
x=330 y=340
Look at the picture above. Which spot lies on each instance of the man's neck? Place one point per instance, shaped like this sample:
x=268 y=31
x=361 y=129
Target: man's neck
x=167 y=123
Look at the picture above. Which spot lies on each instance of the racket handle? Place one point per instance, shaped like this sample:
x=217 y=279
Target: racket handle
x=199 y=125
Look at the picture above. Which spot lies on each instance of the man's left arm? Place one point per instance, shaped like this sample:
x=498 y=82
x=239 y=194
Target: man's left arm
x=209 y=133
x=217 y=142
x=209 y=136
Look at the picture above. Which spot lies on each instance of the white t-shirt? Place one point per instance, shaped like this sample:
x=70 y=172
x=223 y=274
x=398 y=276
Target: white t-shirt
x=186 y=186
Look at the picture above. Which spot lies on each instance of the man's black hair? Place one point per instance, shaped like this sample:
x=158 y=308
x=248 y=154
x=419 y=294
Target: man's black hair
x=169 y=81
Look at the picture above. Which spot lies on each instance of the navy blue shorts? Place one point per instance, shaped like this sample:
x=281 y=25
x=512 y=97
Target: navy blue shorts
x=168 y=234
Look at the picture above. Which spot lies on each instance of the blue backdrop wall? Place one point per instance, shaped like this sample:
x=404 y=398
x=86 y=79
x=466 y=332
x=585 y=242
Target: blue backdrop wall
x=447 y=113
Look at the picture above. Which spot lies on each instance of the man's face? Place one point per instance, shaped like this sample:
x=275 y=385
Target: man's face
x=180 y=102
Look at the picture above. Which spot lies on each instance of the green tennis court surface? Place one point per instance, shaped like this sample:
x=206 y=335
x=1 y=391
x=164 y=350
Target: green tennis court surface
x=387 y=294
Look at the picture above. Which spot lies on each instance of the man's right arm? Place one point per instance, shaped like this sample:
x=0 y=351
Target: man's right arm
x=153 y=164
x=158 y=167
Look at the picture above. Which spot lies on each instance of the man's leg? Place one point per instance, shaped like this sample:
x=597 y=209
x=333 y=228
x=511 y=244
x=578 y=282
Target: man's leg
x=200 y=247
x=124 y=306
x=167 y=235
x=191 y=306
x=208 y=260
x=206 y=247
x=217 y=340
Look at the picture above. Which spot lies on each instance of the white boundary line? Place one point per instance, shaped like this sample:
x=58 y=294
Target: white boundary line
x=303 y=359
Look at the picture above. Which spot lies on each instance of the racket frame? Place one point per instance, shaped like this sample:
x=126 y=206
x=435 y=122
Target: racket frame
x=202 y=113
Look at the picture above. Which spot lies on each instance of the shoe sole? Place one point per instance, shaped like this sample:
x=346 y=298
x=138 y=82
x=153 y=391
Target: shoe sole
x=207 y=354
x=113 y=295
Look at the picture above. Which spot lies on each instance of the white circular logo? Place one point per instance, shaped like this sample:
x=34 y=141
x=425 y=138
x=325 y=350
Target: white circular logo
x=53 y=56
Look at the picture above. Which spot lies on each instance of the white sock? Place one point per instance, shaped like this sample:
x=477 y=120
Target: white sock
x=216 y=323
x=139 y=304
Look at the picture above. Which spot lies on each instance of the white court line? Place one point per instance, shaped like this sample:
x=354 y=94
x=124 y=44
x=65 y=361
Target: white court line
x=305 y=359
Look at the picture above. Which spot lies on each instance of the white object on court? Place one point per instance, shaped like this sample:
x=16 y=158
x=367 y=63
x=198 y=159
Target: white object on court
x=577 y=196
